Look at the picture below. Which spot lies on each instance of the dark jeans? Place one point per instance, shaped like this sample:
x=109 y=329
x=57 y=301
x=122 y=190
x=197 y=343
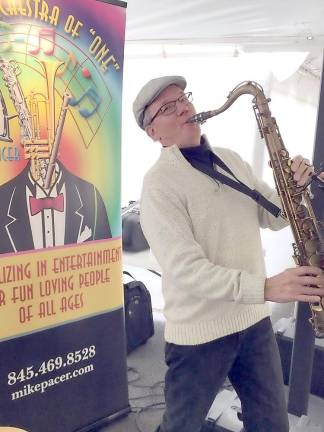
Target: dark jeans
x=251 y=361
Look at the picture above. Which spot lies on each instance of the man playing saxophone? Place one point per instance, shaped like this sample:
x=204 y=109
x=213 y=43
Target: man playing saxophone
x=206 y=238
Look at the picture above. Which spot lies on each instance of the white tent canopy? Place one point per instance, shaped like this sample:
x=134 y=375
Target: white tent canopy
x=284 y=25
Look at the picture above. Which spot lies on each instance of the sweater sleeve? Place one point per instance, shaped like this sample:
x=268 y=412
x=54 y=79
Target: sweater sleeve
x=168 y=229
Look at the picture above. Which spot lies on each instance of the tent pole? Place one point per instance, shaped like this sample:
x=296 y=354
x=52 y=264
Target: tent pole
x=304 y=341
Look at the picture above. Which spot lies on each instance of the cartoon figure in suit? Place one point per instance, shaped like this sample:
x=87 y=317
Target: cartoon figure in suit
x=45 y=205
x=73 y=212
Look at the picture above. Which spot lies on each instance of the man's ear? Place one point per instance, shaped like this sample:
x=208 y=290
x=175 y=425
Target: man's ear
x=151 y=132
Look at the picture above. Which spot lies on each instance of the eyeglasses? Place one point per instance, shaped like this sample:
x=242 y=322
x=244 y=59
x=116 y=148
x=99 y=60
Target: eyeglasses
x=170 y=107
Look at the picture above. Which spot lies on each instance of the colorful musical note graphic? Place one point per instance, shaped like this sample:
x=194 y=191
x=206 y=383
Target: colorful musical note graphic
x=92 y=94
x=48 y=36
x=71 y=60
x=74 y=62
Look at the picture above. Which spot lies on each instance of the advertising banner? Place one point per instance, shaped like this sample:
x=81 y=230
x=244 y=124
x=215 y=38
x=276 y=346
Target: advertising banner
x=62 y=337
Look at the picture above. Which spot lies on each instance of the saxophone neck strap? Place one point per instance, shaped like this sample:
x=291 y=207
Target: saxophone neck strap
x=235 y=184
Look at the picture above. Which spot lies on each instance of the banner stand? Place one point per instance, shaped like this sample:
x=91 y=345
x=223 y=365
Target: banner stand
x=62 y=335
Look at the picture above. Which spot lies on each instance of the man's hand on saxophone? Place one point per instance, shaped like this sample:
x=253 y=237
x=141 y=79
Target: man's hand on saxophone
x=303 y=283
x=303 y=171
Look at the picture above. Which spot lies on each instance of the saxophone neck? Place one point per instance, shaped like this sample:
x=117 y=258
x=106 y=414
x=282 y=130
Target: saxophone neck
x=246 y=87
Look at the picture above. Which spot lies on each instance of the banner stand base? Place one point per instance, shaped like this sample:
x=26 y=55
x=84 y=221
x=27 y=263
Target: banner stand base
x=105 y=421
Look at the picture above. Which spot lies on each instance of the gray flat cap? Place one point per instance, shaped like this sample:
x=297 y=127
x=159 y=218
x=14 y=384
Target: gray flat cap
x=151 y=91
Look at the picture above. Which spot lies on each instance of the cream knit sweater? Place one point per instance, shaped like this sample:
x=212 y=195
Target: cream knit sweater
x=206 y=238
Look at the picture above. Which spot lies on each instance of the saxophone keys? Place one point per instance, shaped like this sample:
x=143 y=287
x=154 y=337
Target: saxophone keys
x=301 y=211
x=297 y=260
x=316 y=261
x=284 y=152
x=312 y=246
x=317 y=307
x=308 y=225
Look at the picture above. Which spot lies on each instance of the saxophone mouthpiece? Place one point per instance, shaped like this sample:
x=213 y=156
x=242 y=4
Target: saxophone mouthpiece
x=201 y=117
x=195 y=119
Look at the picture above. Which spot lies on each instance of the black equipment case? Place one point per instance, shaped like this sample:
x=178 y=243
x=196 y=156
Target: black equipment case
x=138 y=313
x=132 y=235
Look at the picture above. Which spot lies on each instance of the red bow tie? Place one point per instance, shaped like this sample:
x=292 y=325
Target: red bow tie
x=39 y=204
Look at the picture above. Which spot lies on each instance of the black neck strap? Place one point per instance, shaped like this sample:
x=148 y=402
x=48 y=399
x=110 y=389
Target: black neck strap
x=235 y=184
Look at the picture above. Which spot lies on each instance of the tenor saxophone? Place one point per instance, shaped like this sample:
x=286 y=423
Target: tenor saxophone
x=308 y=246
